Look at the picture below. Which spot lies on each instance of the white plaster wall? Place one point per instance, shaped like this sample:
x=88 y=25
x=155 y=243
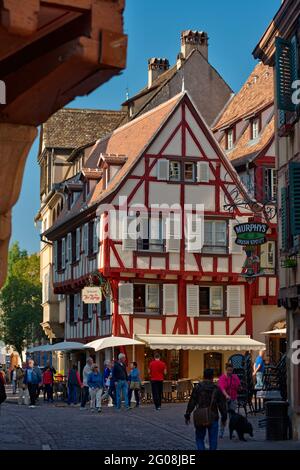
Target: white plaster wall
x=207 y=263
x=222 y=265
x=164 y=193
x=220 y=328
x=207 y=148
x=158 y=143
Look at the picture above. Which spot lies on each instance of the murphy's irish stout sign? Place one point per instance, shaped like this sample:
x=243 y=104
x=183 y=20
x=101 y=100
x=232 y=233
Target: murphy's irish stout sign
x=251 y=233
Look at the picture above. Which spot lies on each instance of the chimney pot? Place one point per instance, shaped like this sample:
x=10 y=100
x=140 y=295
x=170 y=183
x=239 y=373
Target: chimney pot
x=194 y=40
x=156 y=66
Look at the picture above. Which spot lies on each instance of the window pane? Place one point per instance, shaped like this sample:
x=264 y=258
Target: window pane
x=139 y=297
x=174 y=171
x=208 y=233
x=216 y=299
x=189 y=171
x=220 y=233
x=204 y=300
x=152 y=298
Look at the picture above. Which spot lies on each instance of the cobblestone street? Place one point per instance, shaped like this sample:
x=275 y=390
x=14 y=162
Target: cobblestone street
x=61 y=427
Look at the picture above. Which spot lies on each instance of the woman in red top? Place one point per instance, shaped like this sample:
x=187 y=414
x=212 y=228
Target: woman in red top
x=157 y=370
x=48 y=383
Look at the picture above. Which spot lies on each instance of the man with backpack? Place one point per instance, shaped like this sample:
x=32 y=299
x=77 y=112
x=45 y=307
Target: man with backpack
x=208 y=401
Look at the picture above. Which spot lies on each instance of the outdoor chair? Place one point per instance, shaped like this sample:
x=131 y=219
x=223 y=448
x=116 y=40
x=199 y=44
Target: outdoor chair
x=147 y=392
x=167 y=390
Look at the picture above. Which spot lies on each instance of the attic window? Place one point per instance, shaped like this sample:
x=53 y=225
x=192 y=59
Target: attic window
x=131 y=109
x=230 y=138
x=255 y=128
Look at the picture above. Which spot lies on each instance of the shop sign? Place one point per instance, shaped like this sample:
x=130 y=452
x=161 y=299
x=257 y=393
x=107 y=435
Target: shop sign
x=251 y=233
x=91 y=295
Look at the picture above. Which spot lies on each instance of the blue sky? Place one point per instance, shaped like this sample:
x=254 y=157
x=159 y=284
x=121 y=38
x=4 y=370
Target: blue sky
x=153 y=29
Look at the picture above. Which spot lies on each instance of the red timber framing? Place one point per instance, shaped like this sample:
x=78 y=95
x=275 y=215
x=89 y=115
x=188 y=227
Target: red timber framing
x=124 y=325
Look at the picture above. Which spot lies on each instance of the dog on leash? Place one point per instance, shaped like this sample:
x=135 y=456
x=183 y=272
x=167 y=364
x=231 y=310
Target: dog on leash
x=240 y=424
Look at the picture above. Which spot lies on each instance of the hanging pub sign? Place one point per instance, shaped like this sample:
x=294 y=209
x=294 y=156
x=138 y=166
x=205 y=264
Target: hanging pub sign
x=251 y=233
x=91 y=295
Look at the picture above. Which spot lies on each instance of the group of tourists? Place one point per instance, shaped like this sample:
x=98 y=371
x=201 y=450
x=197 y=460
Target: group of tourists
x=209 y=400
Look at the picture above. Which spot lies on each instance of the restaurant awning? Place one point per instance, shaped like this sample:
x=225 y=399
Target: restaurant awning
x=277 y=331
x=205 y=343
x=111 y=342
x=62 y=346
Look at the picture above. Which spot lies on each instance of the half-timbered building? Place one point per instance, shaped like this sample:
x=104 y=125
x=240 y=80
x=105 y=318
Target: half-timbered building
x=149 y=213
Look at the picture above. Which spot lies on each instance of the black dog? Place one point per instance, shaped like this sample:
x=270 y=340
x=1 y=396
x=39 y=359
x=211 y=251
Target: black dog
x=240 y=424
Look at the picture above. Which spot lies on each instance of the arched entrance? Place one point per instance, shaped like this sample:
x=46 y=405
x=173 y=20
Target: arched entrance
x=213 y=360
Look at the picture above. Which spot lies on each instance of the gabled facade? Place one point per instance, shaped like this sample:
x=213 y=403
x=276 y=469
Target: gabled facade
x=245 y=131
x=159 y=176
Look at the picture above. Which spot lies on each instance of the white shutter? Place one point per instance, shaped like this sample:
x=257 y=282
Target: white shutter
x=233 y=301
x=68 y=308
x=129 y=234
x=173 y=230
x=76 y=308
x=125 y=298
x=55 y=249
x=95 y=236
x=69 y=248
x=90 y=310
x=194 y=226
x=78 y=244
x=163 y=169
x=203 y=172
x=192 y=300
x=170 y=299
x=86 y=238
x=233 y=247
x=63 y=253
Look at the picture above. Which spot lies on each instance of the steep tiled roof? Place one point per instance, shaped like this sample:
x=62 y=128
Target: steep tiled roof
x=255 y=94
x=71 y=128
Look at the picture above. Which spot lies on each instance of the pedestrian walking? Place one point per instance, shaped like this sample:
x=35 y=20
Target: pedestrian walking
x=20 y=377
x=85 y=393
x=13 y=379
x=134 y=384
x=48 y=380
x=96 y=384
x=109 y=388
x=208 y=401
x=73 y=383
x=229 y=384
x=33 y=380
x=157 y=370
x=120 y=379
x=259 y=370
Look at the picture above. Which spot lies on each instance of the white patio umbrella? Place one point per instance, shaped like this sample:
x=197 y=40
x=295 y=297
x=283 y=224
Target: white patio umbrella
x=111 y=342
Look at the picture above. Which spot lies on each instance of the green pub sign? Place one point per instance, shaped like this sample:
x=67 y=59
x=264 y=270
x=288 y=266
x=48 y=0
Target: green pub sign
x=253 y=233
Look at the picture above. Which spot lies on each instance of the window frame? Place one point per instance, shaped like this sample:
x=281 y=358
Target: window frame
x=231 y=131
x=256 y=119
x=175 y=162
x=141 y=244
x=209 y=248
x=143 y=309
x=210 y=311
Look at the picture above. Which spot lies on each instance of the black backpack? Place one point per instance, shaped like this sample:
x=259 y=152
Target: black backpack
x=2 y=392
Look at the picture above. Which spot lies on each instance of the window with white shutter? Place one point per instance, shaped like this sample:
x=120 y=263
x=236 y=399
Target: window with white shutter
x=163 y=169
x=192 y=300
x=78 y=240
x=170 y=299
x=234 y=248
x=215 y=236
x=233 y=301
x=63 y=253
x=203 y=172
x=194 y=233
x=173 y=233
x=129 y=233
x=125 y=298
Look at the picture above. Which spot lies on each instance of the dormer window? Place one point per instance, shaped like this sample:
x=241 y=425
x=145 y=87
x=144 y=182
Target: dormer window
x=255 y=128
x=229 y=139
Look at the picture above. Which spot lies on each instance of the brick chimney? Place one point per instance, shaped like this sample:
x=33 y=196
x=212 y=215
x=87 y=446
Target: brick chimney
x=194 y=40
x=156 y=67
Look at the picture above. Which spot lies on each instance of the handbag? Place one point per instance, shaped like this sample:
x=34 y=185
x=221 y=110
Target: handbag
x=202 y=416
x=135 y=385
